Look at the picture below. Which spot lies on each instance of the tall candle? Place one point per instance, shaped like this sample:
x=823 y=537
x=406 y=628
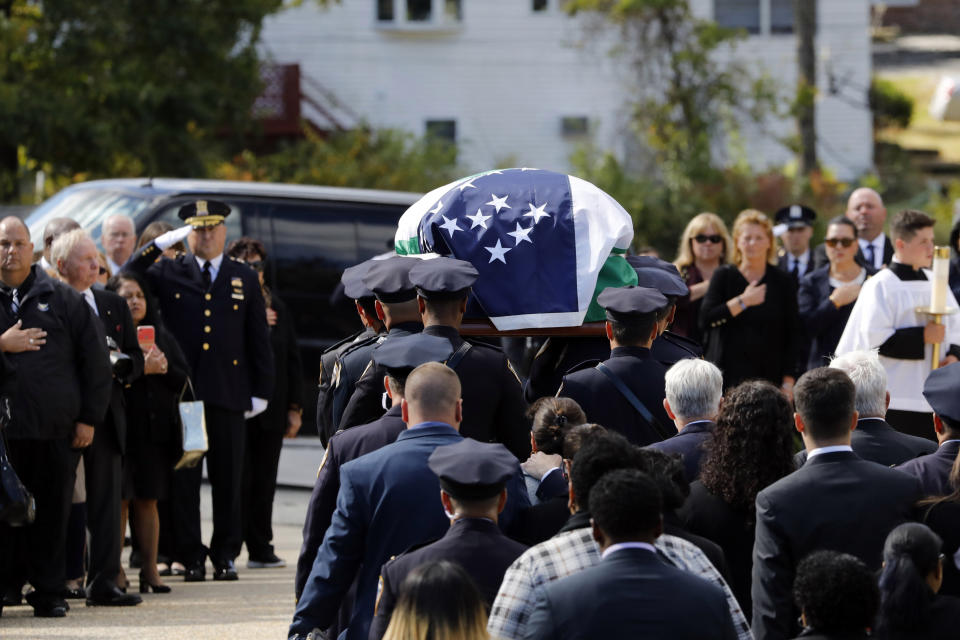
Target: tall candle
x=941 y=274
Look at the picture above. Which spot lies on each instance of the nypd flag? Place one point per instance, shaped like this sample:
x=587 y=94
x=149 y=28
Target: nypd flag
x=545 y=243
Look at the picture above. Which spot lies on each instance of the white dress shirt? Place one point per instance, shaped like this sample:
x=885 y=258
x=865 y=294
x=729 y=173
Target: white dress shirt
x=830 y=449
x=214 y=266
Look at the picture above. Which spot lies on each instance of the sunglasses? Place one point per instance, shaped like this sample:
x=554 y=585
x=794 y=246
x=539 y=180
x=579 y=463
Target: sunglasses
x=702 y=238
x=256 y=265
x=843 y=242
x=102 y=271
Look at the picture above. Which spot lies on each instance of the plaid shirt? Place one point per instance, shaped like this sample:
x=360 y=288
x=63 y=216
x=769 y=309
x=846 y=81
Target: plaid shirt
x=573 y=551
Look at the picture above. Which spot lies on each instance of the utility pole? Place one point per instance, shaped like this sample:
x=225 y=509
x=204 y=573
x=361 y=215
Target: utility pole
x=805 y=16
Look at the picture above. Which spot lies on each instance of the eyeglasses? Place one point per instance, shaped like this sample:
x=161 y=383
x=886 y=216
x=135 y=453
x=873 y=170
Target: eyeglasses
x=102 y=271
x=702 y=238
x=256 y=265
x=843 y=242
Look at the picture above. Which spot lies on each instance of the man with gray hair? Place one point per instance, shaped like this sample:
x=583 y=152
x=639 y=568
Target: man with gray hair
x=874 y=439
x=118 y=237
x=54 y=229
x=694 y=389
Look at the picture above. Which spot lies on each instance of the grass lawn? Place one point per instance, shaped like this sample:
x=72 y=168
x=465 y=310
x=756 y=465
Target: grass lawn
x=924 y=132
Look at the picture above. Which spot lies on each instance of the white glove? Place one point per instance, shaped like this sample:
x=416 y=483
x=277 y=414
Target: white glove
x=172 y=237
x=259 y=404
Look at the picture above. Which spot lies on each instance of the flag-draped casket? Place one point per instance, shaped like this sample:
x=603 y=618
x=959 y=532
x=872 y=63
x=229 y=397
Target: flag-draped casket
x=545 y=244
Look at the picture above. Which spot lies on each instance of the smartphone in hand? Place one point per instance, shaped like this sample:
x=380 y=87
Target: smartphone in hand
x=146 y=336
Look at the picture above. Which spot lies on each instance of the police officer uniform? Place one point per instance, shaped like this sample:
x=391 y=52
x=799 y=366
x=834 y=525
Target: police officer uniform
x=668 y=348
x=218 y=316
x=796 y=216
x=625 y=392
x=468 y=470
x=389 y=280
x=342 y=364
x=493 y=407
x=398 y=357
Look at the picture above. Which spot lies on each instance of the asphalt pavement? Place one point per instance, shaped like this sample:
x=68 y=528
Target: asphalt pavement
x=259 y=605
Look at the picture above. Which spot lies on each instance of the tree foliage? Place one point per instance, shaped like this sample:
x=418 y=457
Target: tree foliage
x=124 y=86
x=688 y=98
x=361 y=157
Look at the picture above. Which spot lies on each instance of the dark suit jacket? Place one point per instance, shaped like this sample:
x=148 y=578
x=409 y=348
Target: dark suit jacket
x=823 y=322
x=670 y=348
x=933 y=469
x=389 y=500
x=343 y=447
x=222 y=332
x=688 y=443
x=761 y=342
x=475 y=544
x=941 y=620
x=944 y=519
x=836 y=501
x=118 y=324
x=152 y=400
x=287 y=387
x=603 y=404
x=630 y=594
x=820 y=254
x=877 y=441
x=783 y=261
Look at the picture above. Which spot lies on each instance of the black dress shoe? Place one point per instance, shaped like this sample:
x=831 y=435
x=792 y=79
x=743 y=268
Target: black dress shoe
x=46 y=606
x=112 y=597
x=195 y=573
x=225 y=571
x=11 y=597
x=74 y=594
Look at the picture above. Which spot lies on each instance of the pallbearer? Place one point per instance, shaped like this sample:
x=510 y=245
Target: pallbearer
x=886 y=317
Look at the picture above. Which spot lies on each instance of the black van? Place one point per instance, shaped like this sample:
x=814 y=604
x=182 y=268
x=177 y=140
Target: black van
x=311 y=233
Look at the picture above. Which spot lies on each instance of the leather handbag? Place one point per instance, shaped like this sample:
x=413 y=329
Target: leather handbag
x=17 y=505
x=194 y=424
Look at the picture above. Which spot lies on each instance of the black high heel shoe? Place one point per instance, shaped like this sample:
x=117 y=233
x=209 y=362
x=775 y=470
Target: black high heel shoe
x=146 y=587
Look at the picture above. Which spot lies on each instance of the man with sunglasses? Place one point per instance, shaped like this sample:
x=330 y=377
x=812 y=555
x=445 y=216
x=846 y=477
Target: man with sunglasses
x=214 y=307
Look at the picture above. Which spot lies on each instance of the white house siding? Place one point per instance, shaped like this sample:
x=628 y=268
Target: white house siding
x=507 y=75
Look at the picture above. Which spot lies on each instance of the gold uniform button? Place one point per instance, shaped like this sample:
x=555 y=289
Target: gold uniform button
x=206 y=312
x=207 y=296
x=206 y=329
x=235 y=363
x=235 y=307
x=177 y=296
x=206 y=347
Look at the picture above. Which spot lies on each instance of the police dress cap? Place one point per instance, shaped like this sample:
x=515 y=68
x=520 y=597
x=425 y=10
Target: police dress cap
x=942 y=391
x=204 y=213
x=795 y=216
x=443 y=278
x=629 y=304
x=651 y=262
x=352 y=280
x=389 y=279
x=401 y=355
x=669 y=284
x=472 y=470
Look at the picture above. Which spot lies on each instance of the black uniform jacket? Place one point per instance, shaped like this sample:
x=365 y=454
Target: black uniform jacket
x=836 y=501
x=68 y=379
x=118 y=324
x=343 y=447
x=288 y=386
x=476 y=544
x=933 y=469
x=326 y=426
x=605 y=405
x=877 y=441
x=223 y=332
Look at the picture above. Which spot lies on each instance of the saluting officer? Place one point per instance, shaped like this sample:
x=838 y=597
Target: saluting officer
x=473 y=490
x=625 y=392
x=396 y=306
x=493 y=405
x=342 y=364
x=668 y=348
x=215 y=309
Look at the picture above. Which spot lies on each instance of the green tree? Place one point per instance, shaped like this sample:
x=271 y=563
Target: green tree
x=688 y=98
x=124 y=86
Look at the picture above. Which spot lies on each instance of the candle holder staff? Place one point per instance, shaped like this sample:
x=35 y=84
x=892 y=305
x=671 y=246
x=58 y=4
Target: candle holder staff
x=891 y=316
x=938 y=297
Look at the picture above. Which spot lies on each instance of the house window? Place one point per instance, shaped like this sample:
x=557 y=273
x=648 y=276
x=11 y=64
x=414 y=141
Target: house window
x=539 y=5
x=418 y=14
x=385 y=10
x=573 y=126
x=419 y=10
x=781 y=16
x=738 y=14
x=442 y=130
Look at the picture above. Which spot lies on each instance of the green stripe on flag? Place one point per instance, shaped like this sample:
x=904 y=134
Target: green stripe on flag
x=409 y=247
x=615 y=272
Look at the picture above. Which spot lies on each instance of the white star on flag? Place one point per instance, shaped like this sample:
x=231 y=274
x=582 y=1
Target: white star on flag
x=438 y=208
x=479 y=220
x=499 y=203
x=467 y=185
x=521 y=234
x=536 y=213
x=497 y=252
x=450 y=225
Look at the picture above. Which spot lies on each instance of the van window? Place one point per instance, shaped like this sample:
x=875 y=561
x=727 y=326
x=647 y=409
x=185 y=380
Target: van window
x=89 y=207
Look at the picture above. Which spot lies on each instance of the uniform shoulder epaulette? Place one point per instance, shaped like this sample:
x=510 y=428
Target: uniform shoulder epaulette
x=683 y=342
x=342 y=343
x=359 y=344
x=414 y=547
x=480 y=343
x=586 y=364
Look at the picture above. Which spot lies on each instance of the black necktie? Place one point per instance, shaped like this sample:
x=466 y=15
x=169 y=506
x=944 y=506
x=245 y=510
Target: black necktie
x=795 y=272
x=868 y=253
x=206 y=274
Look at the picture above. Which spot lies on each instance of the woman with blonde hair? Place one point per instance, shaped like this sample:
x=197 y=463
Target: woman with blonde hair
x=704 y=246
x=749 y=314
x=438 y=601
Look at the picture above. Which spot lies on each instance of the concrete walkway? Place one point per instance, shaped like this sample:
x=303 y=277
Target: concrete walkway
x=259 y=605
